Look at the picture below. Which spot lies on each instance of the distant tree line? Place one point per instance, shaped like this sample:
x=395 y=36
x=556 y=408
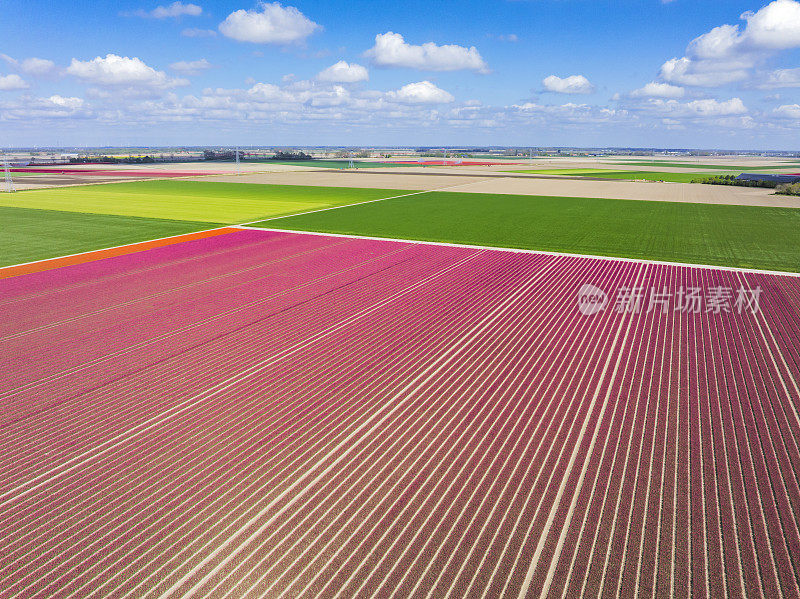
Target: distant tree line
x=112 y=160
x=788 y=189
x=221 y=155
x=291 y=156
x=449 y=155
x=350 y=154
x=732 y=180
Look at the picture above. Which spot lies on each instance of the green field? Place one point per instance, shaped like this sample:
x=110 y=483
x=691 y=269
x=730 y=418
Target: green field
x=54 y=222
x=717 y=167
x=28 y=235
x=46 y=223
x=227 y=203
x=743 y=236
x=626 y=175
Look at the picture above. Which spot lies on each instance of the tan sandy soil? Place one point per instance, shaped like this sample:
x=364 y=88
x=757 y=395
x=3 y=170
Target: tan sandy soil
x=192 y=167
x=436 y=177
x=625 y=190
x=44 y=181
x=753 y=165
x=55 y=178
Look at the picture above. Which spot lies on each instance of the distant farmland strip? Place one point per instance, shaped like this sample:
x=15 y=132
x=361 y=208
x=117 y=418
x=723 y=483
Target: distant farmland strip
x=340 y=164
x=743 y=236
x=267 y=414
x=718 y=167
x=107 y=172
x=626 y=175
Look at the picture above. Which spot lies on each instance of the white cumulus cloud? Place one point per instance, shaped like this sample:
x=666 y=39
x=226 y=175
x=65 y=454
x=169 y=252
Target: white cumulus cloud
x=191 y=67
x=711 y=107
x=170 y=11
x=70 y=102
x=422 y=92
x=790 y=111
x=686 y=71
x=391 y=50
x=12 y=82
x=177 y=9
x=343 y=72
x=29 y=108
x=695 y=109
x=195 y=32
x=729 y=53
x=116 y=70
x=781 y=78
x=574 y=84
x=716 y=44
x=37 y=66
x=658 y=90
x=270 y=23
x=776 y=26
x=32 y=66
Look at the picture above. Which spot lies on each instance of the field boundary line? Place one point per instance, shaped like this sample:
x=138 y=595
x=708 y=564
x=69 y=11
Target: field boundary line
x=402 y=195
x=14 y=270
x=783 y=273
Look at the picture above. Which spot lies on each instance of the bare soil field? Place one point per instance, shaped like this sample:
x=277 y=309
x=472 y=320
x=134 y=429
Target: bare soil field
x=477 y=179
x=532 y=185
x=40 y=181
x=86 y=174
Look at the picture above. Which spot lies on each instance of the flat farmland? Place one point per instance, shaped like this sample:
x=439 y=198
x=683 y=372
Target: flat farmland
x=276 y=414
x=764 y=167
x=27 y=235
x=627 y=175
x=473 y=180
x=228 y=203
x=741 y=236
x=47 y=223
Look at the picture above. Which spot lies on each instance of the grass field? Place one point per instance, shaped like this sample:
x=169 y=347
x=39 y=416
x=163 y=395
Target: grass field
x=192 y=200
x=28 y=235
x=742 y=236
x=716 y=167
x=631 y=175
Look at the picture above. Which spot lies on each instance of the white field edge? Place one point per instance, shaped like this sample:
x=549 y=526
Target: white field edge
x=524 y=251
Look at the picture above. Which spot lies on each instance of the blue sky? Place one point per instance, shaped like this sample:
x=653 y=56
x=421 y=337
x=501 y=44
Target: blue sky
x=682 y=73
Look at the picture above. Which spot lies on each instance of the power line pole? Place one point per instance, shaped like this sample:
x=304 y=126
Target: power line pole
x=238 y=169
x=9 y=186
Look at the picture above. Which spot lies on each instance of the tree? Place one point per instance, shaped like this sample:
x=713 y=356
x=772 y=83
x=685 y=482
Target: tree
x=291 y=156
